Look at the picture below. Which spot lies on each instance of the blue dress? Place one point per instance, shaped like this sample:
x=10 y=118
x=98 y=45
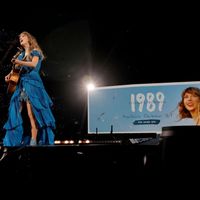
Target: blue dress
x=30 y=86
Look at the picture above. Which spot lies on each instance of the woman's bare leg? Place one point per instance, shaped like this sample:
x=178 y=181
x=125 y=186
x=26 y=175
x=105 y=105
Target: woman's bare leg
x=34 y=129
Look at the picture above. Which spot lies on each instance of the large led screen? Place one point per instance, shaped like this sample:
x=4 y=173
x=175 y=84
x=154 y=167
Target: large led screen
x=142 y=108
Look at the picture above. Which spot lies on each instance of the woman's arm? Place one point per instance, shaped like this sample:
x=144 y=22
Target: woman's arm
x=31 y=63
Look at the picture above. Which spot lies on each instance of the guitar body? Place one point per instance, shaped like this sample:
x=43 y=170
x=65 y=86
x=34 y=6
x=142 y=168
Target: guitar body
x=14 y=75
x=13 y=81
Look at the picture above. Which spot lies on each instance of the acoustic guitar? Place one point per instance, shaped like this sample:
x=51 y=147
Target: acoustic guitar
x=14 y=75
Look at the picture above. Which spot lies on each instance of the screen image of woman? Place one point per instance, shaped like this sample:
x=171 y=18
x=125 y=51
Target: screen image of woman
x=189 y=106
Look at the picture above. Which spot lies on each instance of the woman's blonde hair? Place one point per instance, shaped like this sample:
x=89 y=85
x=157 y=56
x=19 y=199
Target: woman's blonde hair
x=33 y=43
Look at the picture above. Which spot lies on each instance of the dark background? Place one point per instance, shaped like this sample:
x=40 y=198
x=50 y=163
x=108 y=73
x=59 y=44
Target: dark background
x=110 y=46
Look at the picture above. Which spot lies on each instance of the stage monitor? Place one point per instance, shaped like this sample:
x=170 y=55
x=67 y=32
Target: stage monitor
x=138 y=108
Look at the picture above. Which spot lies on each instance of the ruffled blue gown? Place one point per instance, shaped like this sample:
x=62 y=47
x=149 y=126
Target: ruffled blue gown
x=30 y=86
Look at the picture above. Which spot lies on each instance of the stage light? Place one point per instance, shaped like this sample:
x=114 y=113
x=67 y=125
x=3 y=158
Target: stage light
x=87 y=141
x=64 y=142
x=57 y=142
x=68 y=142
x=71 y=141
x=90 y=86
x=84 y=141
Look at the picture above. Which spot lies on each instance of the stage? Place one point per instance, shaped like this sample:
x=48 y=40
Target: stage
x=102 y=164
x=82 y=161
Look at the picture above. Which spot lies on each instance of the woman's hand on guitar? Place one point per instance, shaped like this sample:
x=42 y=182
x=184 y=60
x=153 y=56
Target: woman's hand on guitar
x=15 y=61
